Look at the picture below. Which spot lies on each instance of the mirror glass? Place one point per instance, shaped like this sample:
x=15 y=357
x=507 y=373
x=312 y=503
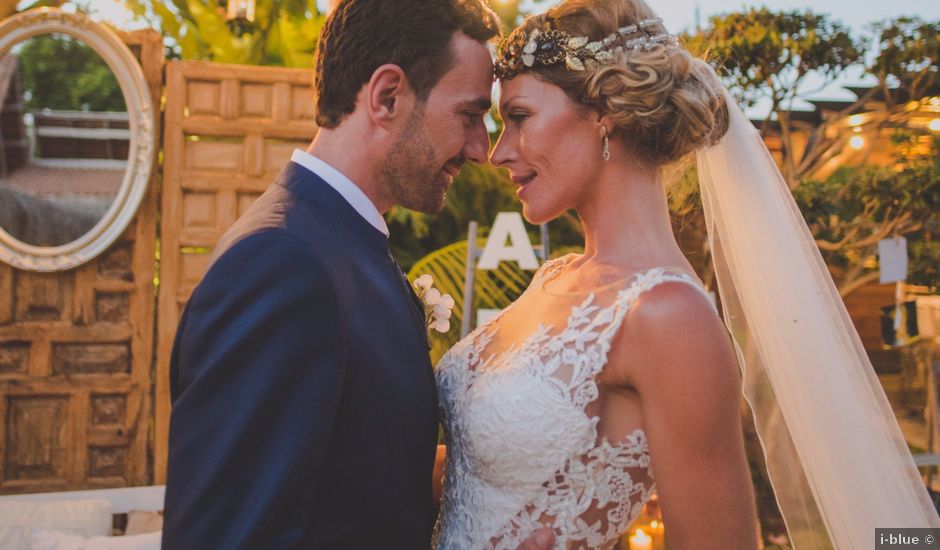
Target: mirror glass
x=64 y=139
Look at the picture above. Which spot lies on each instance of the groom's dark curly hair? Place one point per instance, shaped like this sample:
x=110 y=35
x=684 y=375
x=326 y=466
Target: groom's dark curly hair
x=362 y=35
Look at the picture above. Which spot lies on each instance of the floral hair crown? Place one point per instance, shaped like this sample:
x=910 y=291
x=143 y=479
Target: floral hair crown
x=548 y=46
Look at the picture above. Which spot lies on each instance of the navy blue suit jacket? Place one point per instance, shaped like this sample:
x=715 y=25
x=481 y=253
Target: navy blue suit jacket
x=304 y=405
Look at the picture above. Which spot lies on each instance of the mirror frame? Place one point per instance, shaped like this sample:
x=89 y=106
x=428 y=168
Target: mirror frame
x=140 y=108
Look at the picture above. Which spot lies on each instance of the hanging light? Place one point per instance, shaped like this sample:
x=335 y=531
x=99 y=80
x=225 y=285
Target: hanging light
x=857 y=142
x=934 y=125
x=241 y=10
x=240 y=15
x=856 y=120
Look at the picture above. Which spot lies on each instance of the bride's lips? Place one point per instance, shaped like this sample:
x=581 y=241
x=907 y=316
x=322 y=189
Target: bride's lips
x=523 y=181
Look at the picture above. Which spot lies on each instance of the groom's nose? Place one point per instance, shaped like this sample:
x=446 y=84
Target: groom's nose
x=478 y=143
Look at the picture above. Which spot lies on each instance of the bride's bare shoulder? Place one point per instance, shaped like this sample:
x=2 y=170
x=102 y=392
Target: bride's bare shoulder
x=684 y=371
x=672 y=332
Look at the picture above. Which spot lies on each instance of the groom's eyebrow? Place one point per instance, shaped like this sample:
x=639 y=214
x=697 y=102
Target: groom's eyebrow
x=480 y=104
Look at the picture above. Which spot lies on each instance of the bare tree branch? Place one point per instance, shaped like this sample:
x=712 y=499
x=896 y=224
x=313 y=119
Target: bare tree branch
x=851 y=286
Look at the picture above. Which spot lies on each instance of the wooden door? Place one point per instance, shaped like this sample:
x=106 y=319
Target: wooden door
x=229 y=131
x=76 y=350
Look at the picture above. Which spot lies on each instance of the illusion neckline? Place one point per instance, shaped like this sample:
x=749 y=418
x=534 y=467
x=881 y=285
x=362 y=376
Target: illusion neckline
x=621 y=282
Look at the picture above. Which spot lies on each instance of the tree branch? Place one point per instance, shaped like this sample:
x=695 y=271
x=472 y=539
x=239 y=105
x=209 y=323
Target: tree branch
x=849 y=286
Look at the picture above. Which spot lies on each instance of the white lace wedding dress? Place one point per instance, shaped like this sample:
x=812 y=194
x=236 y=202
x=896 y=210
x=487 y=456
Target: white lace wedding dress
x=527 y=443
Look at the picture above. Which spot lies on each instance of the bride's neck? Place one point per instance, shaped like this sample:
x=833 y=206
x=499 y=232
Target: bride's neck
x=626 y=219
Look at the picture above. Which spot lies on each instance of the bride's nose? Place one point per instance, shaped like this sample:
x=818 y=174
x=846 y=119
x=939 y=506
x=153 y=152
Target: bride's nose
x=503 y=152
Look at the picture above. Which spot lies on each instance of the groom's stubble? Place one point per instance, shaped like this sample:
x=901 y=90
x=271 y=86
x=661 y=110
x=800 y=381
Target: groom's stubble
x=411 y=170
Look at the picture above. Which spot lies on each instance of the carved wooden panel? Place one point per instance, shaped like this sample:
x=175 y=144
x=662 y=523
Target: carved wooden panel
x=229 y=131
x=37 y=439
x=76 y=350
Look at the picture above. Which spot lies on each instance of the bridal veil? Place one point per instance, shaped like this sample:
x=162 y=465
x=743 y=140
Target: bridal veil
x=836 y=457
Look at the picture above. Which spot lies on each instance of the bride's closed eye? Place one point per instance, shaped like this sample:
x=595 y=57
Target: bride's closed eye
x=517 y=116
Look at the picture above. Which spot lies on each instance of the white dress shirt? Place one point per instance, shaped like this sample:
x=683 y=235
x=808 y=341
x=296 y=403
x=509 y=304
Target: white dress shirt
x=344 y=186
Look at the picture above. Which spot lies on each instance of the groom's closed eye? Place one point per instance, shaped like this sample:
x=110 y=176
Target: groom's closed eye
x=475 y=109
x=473 y=116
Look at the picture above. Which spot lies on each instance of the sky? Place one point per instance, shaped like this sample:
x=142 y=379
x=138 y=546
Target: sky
x=680 y=15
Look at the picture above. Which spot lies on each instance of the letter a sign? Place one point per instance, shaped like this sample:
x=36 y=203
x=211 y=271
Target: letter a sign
x=508 y=227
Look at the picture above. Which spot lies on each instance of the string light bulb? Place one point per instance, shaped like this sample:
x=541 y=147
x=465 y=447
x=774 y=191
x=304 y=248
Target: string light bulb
x=243 y=10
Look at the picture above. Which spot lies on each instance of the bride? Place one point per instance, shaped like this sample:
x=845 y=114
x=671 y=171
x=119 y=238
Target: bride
x=613 y=373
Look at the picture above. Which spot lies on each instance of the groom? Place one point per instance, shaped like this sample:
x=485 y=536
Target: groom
x=305 y=410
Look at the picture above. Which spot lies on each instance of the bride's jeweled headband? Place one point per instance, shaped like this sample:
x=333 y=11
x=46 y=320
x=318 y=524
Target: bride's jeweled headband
x=548 y=46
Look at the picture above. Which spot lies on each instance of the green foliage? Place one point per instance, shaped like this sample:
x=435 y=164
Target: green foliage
x=908 y=54
x=924 y=259
x=512 y=12
x=688 y=220
x=62 y=73
x=284 y=32
x=9 y=7
x=848 y=213
x=769 y=53
x=508 y=12
x=854 y=208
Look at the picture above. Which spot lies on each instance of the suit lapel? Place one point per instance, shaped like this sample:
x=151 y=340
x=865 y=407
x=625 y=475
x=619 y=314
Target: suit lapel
x=415 y=306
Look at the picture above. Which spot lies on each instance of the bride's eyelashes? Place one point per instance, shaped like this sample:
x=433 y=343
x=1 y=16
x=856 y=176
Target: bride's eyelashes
x=517 y=116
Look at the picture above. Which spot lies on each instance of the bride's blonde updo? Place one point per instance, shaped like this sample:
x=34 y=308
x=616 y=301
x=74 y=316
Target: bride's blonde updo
x=664 y=102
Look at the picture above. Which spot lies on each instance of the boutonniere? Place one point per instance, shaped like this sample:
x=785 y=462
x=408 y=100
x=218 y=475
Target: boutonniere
x=437 y=306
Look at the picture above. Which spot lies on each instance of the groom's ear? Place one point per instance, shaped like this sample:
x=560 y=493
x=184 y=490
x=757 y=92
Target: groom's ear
x=388 y=94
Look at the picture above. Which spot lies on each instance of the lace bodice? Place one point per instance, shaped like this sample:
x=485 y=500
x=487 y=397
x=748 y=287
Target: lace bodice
x=526 y=442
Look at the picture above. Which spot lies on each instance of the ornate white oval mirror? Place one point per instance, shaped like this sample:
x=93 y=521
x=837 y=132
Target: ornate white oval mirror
x=76 y=139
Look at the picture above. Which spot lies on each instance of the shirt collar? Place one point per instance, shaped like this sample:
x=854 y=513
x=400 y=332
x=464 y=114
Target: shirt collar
x=344 y=186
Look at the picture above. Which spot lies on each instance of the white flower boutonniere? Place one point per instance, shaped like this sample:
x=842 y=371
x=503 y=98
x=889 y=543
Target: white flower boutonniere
x=437 y=306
